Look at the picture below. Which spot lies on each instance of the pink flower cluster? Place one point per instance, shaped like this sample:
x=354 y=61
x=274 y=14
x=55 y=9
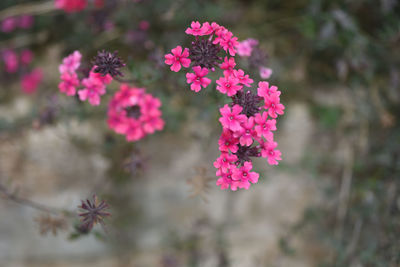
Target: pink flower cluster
x=134 y=113
x=10 y=24
x=209 y=40
x=247 y=131
x=71 y=6
x=245 y=48
x=30 y=82
x=13 y=61
x=94 y=86
x=19 y=63
x=249 y=121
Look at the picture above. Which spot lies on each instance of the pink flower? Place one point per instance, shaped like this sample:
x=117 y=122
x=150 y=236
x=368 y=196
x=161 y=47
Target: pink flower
x=208 y=29
x=71 y=63
x=93 y=89
x=26 y=57
x=31 y=81
x=264 y=127
x=149 y=104
x=245 y=48
x=227 y=142
x=243 y=79
x=231 y=118
x=144 y=25
x=153 y=123
x=272 y=103
x=244 y=174
x=116 y=122
x=71 y=6
x=228 y=85
x=134 y=131
x=25 y=21
x=264 y=90
x=268 y=151
x=197 y=30
x=197 y=79
x=228 y=65
x=226 y=180
x=9 y=24
x=229 y=42
x=247 y=132
x=106 y=79
x=225 y=161
x=69 y=83
x=177 y=58
x=134 y=113
x=10 y=59
x=265 y=72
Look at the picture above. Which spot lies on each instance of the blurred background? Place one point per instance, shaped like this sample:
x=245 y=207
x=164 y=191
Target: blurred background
x=334 y=199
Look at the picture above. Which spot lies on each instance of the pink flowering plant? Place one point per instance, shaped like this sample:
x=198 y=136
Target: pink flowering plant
x=131 y=111
x=249 y=121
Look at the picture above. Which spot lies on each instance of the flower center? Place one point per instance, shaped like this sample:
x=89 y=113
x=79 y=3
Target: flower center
x=204 y=53
x=245 y=152
x=249 y=101
x=133 y=111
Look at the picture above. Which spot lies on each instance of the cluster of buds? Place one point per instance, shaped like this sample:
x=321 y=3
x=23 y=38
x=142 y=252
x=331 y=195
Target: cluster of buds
x=249 y=121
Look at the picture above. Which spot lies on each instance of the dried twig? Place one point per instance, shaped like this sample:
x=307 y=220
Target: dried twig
x=26 y=202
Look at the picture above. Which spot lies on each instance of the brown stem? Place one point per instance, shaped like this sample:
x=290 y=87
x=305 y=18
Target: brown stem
x=26 y=202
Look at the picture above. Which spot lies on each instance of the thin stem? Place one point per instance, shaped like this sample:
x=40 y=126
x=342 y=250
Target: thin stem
x=26 y=202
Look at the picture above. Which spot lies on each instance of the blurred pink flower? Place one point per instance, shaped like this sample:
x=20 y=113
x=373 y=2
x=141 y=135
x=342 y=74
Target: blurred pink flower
x=144 y=25
x=134 y=113
x=25 y=21
x=10 y=59
x=31 y=81
x=71 y=6
x=94 y=87
x=69 y=82
x=245 y=48
x=71 y=63
x=26 y=57
x=9 y=24
x=265 y=73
